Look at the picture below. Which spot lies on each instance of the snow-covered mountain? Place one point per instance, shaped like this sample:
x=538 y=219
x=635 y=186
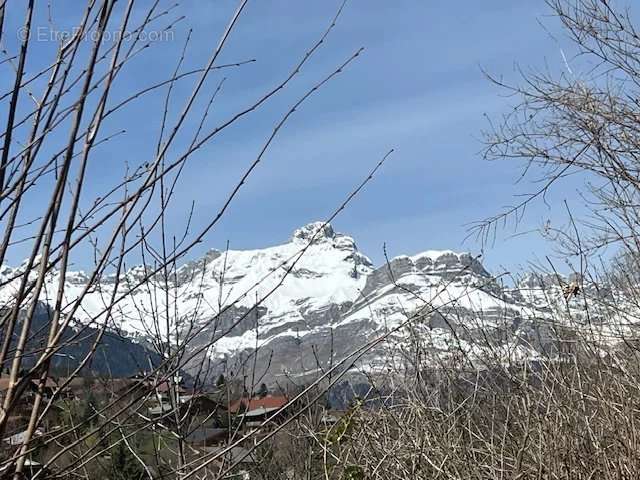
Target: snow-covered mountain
x=312 y=301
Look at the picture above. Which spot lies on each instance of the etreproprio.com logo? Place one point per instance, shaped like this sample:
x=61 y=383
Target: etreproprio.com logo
x=48 y=34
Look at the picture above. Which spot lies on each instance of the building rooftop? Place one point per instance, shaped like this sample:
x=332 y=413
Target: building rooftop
x=273 y=402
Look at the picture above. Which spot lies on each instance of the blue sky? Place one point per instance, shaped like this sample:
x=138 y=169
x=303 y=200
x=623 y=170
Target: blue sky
x=418 y=88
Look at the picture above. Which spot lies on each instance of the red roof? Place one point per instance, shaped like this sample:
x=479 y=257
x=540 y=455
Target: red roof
x=164 y=388
x=270 y=401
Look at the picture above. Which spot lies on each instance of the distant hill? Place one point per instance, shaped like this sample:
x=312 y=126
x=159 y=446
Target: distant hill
x=115 y=356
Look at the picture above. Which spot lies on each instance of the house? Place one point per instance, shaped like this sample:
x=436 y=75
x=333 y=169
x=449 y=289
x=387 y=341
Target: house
x=19 y=438
x=120 y=387
x=268 y=402
x=23 y=399
x=30 y=470
x=198 y=405
x=160 y=410
x=33 y=468
x=220 y=458
x=233 y=455
x=74 y=386
x=207 y=436
x=253 y=412
x=163 y=389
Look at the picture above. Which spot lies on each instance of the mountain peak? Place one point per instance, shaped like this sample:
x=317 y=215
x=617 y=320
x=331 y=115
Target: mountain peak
x=321 y=231
x=435 y=255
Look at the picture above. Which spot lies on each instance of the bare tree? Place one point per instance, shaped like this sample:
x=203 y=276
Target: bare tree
x=484 y=407
x=557 y=401
x=52 y=130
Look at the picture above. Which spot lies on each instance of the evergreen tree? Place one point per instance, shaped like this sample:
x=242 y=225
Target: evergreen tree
x=89 y=407
x=125 y=466
x=263 y=391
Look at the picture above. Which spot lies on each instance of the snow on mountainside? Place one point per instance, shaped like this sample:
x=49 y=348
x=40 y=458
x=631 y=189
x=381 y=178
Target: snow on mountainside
x=331 y=271
x=303 y=310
